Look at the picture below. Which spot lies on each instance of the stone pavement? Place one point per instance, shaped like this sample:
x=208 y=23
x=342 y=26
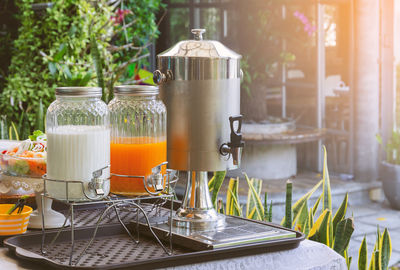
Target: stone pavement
x=366 y=219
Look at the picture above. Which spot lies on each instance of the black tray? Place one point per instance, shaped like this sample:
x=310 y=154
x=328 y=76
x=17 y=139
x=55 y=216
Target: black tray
x=113 y=248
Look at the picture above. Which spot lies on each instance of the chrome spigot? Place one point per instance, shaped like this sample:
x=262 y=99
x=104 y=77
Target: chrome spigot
x=235 y=146
x=156 y=179
x=97 y=183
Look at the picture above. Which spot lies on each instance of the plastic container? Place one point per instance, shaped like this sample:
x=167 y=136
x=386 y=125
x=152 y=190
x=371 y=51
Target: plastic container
x=14 y=223
x=138 y=136
x=78 y=143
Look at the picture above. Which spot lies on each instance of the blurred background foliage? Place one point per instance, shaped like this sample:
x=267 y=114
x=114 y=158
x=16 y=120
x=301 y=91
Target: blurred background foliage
x=66 y=43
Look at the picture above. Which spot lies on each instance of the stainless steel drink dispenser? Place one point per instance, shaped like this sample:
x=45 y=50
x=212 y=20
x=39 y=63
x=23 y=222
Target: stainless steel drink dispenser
x=200 y=85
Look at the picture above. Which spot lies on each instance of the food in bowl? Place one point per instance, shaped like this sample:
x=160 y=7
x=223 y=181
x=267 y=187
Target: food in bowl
x=27 y=158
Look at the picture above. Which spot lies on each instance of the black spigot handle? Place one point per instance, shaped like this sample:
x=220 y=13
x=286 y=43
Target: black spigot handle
x=236 y=135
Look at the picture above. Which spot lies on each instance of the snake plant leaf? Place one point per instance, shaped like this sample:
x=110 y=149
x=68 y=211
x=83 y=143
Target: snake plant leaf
x=310 y=218
x=344 y=230
x=320 y=230
x=218 y=180
x=348 y=261
x=340 y=214
x=232 y=203
x=326 y=187
x=385 y=249
x=269 y=217
x=363 y=255
x=265 y=206
x=377 y=262
x=315 y=207
x=211 y=184
x=254 y=201
x=251 y=211
x=302 y=221
x=229 y=195
x=372 y=262
x=297 y=205
x=378 y=238
x=288 y=209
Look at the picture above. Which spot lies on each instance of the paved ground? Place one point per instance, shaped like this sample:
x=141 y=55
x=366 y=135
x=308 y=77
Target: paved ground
x=366 y=218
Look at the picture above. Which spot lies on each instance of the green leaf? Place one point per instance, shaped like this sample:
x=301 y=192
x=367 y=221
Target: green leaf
x=219 y=179
x=255 y=199
x=302 y=222
x=85 y=80
x=52 y=68
x=341 y=212
x=344 y=230
x=288 y=205
x=377 y=262
x=297 y=205
x=211 y=184
x=232 y=202
x=35 y=134
x=385 y=249
x=269 y=217
x=67 y=72
x=60 y=53
x=320 y=230
x=327 y=198
x=265 y=206
x=315 y=207
x=363 y=255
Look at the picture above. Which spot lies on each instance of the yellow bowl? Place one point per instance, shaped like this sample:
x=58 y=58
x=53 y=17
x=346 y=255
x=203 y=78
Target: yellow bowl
x=14 y=223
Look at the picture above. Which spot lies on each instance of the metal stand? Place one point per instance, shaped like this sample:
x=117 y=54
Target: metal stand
x=114 y=203
x=197 y=211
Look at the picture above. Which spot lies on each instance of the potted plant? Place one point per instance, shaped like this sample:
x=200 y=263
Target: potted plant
x=390 y=169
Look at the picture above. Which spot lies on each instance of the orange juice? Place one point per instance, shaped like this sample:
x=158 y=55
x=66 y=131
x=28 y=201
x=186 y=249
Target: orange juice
x=137 y=157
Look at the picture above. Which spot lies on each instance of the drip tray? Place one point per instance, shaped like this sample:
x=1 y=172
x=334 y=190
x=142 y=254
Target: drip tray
x=113 y=248
x=237 y=231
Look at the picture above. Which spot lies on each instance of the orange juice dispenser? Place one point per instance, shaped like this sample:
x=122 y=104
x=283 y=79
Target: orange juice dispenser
x=138 y=138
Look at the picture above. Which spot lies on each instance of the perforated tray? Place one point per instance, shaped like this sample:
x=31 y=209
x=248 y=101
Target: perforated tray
x=113 y=248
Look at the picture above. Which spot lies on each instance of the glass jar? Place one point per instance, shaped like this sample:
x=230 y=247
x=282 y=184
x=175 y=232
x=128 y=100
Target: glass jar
x=78 y=143
x=138 y=136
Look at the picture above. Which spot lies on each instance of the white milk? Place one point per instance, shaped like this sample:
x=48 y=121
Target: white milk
x=73 y=154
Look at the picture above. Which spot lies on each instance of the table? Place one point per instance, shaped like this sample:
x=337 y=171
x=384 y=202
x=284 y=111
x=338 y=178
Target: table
x=309 y=255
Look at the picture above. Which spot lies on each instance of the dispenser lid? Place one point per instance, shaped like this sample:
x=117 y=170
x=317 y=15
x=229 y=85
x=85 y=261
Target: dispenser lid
x=136 y=90
x=81 y=91
x=200 y=48
x=197 y=59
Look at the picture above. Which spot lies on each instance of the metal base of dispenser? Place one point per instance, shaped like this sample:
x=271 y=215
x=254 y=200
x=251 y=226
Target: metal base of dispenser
x=197 y=211
x=202 y=220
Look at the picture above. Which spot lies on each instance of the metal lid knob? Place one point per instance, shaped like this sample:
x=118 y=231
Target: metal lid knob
x=198 y=33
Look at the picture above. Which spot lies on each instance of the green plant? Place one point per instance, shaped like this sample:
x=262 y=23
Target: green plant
x=334 y=230
x=68 y=23
x=75 y=43
x=380 y=256
x=392 y=147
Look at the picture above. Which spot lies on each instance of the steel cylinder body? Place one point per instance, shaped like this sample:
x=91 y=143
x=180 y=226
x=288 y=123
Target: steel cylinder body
x=198 y=122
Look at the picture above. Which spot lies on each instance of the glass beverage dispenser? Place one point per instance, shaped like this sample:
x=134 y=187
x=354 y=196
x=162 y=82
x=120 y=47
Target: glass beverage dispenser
x=138 y=138
x=78 y=145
